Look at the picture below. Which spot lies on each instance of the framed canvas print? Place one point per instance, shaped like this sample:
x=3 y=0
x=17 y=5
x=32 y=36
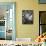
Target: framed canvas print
x=42 y=22
x=42 y=1
x=27 y=16
x=7 y=20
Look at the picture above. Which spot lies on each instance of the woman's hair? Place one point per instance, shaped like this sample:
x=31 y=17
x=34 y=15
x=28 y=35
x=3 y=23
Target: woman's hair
x=41 y=35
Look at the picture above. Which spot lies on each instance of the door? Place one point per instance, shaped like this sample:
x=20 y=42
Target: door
x=42 y=22
x=8 y=10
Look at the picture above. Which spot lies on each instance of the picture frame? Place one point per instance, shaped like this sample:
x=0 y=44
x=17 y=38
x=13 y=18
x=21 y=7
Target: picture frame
x=42 y=1
x=27 y=16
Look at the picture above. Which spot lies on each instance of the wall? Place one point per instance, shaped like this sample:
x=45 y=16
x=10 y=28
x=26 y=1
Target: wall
x=28 y=31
